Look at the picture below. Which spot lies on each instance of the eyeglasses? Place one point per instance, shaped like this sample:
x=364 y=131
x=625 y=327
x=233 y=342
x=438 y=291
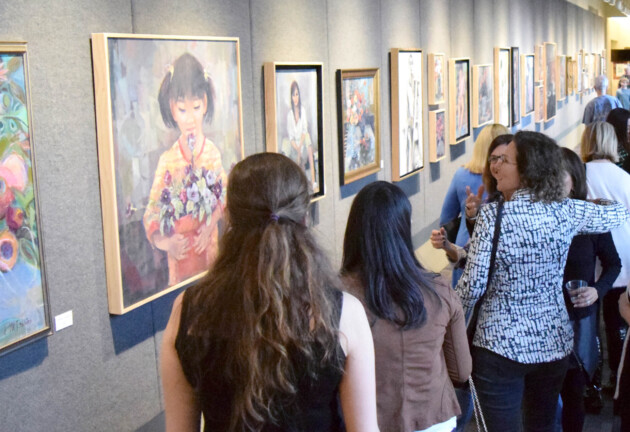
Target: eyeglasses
x=494 y=159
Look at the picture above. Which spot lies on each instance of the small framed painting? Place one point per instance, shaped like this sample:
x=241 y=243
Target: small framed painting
x=407 y=133
x=570 y=76
x=620 y=70
x=515 y=85
x=436 y=77
x=539 y=101
x=294 y=117
x=502 y=86
x=550 y=80
x=437 y=135
x=358 y=119
x=459 y=99
x=539 y=64
x=561 y=77
x=170 y=128
x=24 y=308
x=482 y=95
x=604 y=63
x=527 y=84
x=580 y=71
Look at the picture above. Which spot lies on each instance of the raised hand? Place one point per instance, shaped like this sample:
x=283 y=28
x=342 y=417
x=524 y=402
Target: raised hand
x=473 y=201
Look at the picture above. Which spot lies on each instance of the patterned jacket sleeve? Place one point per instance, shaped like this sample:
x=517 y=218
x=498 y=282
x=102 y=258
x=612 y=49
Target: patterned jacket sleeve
x=472 y=284
x=595 y=218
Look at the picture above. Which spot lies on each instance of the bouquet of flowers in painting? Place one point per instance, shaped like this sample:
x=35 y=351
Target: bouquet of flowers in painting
x=22 y=300
x=196 y=196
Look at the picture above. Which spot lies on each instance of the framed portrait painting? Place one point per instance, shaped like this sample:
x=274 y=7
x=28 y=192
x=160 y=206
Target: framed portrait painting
x=437 y=135
x=515 y=85
x=539 y=102
x=406 y=99
x=527 y=84
x=358 y=109
x=502 y=86
x=483 y=104
x=24 y=309
x=436 y=77
x=459 y=99
x=539 y=64
x=294 y=117
x=561 y=93
x=550 y=80
x=169 y=130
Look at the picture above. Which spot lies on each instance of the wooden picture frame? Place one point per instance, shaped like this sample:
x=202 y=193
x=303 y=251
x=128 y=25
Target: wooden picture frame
x=539 y=64
x=527 y=84
x=358 y=107
x=407 y=113
x=604 y=63
x=502 y=86
x=561 y=78
x=24 y=306
x=550 y=80
x=515 y=85
x=570 y=76
x=579 y=78
x=302 y=140
x=436 y=77
x=483 y=103
x=437 y=135
x=459 y=99
x=163 y=181
x=539 y=102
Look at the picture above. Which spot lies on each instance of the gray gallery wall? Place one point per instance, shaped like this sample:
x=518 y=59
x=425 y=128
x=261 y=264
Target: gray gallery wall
x=102 y=373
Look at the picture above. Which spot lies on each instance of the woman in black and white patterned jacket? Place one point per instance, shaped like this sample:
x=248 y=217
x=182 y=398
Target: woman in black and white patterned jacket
x=523 y=336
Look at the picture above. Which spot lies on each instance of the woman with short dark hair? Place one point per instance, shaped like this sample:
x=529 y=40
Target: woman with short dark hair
x=523 y=335
x=416 y=318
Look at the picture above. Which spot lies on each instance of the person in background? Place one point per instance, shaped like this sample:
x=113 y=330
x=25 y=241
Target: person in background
x=523 y=335
x=266 y=341
x=598 y=108
x=468 y=176
x=582 y=308
x=620 y=119
x=417 y=321
x=606 y=180
x=622 y=393
x=623 y=93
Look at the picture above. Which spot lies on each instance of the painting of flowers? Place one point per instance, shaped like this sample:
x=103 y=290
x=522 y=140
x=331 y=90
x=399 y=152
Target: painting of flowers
x=23 y=303
x=169 y=131
x=358 y=110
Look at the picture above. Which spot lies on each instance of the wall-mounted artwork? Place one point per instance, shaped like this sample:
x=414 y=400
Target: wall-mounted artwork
x=539 y=102
x=570 y=76
x=358 y=119
x=515 y=85
x=294 y=117
x=539 y=62
x=459 y=99
x=406 y=99
x=550 y=80
x=619 y=70
x=24 y=314
x=436 y=77
x=598 y=64
x=483 y=104
x=169 y=130
x=580 y=71
x=527 y=84
x=437 y=135
x=604 y=63
x=502 y=86
x=561 y=92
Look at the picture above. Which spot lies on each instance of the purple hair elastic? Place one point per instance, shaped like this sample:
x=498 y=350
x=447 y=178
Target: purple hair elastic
x=274 y=217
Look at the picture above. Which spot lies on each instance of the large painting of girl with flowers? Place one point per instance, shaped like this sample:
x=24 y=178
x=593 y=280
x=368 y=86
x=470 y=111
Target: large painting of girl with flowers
x=23 y=305
x=170 y=128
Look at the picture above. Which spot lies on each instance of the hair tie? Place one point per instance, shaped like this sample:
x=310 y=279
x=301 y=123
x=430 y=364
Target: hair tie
x=274 y=217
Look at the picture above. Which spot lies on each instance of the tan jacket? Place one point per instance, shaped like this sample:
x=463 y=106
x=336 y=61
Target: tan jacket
x=414 y=368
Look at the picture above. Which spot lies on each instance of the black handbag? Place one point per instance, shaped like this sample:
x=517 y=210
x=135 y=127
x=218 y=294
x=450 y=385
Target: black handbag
x=472 y=322
x=452 y=228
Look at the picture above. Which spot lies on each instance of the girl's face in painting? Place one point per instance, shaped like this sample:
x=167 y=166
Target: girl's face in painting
x=188 y=113
x=295 y=97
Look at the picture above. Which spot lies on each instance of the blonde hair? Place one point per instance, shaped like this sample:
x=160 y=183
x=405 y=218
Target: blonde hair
x=599 y=141
x=480 y=149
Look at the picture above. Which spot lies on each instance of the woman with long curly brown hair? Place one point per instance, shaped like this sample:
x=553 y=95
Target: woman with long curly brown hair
x=266 y=341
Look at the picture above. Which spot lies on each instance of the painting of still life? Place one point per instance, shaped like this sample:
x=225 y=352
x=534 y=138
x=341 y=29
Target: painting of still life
x=24 y=314
x=169 y=120
x=358 y=114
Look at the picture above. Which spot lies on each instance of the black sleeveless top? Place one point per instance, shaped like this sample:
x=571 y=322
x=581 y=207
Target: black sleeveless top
x=315 y=406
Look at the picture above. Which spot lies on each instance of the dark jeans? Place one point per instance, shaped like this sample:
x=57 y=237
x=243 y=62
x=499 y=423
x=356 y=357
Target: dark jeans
x=516 y=396
x=573 y=400
x=614 y=324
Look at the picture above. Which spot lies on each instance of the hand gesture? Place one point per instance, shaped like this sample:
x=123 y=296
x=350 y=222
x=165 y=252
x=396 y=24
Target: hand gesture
x=438 y=238
x=473 y=202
